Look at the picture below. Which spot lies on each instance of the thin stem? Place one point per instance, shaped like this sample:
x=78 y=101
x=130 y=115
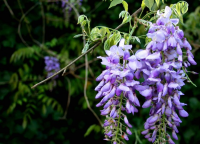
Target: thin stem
x=19 y=26
x=188 y=77
x=43 y=22
x=119 y=116
x=10 y=10
x=130 y=35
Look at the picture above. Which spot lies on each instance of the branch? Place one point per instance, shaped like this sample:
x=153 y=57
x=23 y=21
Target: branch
x=92 y=48
x=10 y=10
x=21 y=19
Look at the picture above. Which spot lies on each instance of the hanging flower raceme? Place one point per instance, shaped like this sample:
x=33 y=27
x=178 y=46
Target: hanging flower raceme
x=52 y=65
x=117 y=86
x=163 y=69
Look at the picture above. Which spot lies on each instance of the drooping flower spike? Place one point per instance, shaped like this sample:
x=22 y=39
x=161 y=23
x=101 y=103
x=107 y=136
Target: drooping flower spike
x=117 y=86
x=164 y=77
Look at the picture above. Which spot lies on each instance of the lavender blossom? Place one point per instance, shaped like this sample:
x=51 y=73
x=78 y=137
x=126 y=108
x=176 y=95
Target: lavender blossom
x=52 y=65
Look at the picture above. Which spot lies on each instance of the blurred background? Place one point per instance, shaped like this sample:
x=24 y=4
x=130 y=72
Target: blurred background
x=56 y=112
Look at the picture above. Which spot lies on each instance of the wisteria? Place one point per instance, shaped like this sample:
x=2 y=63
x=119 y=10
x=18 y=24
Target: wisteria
x=52 y=65
x=66 y=6
x=118 y=86
x=164 y=76
x=162 y=65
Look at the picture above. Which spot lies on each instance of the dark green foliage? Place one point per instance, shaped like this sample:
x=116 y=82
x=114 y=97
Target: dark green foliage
x=38 y=115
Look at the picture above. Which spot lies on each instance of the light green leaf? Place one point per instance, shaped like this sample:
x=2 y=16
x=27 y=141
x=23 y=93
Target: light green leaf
x=182 y=7
x=125 y=5
x=137 y=39
x=117 y=38
x=179 y=9
x=85 y=48
x=107 y=44
x=89 y=130
x=122 y=14
x=149 y=3
x=103 y=31
x=143 y=5
x=78 y=35
x=80 y=19
x=158 y=2
x=115 y=2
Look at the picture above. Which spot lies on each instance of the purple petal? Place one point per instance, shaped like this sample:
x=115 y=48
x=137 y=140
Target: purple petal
x=105 y=111
x=128 y=107
x=109 y=103
x=154 y=118
x=99 y=86
x=178 y=49
x=142 y=54
x=124 y=88
x=169 y=102
x=173 y=85
x=145 y=132
x=125 y=137
x=147 y=104
x=146 y=93
x=183 y=113
x=174 y=135
x=112 y=111
x=171 y=141
x=118 y=91
x=126 y=121
x=171 y=42
x=128 y=131
x=106 y=87
x=191 y=60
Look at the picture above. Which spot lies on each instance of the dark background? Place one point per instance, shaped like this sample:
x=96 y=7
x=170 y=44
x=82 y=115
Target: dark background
x=38 y=115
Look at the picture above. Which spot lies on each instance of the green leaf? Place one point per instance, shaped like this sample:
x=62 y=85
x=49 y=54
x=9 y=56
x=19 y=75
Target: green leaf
x=78 y=35
x=117 y=38
x=179 y=9
x=115 y=2
x=85 y=48
x=149 y=3
x=125 y=5
x=103 y=31
x=137 y=39
x=182 y=7
x=122 y=14
x=80 y=19
x=89 y=130
x=22 y=54
x=143 y=5
x=107 y=44
x=158 y=2
x=95 y=34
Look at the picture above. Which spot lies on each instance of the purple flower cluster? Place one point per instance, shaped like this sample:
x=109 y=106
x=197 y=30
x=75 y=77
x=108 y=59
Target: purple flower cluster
x=52 y=65
x=117 y=86
x=163 y=62
x=66 y=6
x=162 y=67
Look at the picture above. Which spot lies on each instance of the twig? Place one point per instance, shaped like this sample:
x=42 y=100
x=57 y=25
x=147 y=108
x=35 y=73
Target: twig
x=10 y=10
x=19 y=26
x=43 y=22
x=68 y=99
x=92 y=48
